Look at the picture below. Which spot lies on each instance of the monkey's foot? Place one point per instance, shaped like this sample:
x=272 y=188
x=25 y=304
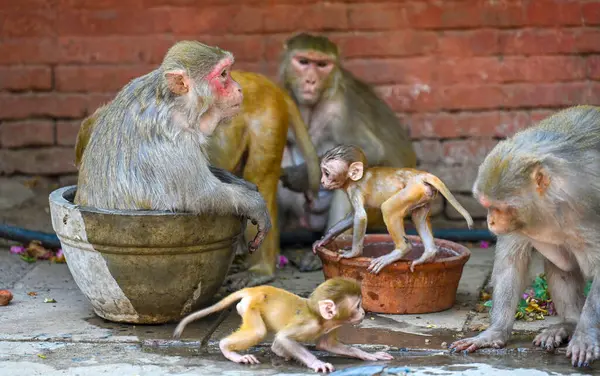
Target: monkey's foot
x=553 y=336
x=280 y=352
x=348 y=254
x=238 y=281
x=303 y=259
x=427 y=256
x=320 y=366
x=486 y=339
x=583 y=348
x=244 y=359
x=380 y=262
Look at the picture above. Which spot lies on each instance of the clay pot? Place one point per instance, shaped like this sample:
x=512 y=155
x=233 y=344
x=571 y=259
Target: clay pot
x=396 y=290
x=143 y=266
x=5 y=297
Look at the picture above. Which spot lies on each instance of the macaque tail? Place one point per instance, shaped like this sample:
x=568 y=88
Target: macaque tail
x=221 y=305
x=441 y=187
x=306 y=145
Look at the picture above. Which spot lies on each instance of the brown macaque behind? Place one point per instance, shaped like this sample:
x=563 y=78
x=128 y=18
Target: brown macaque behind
x=144 y=150
x=397 y=191
x=542 y=191
x=293 y=319
x=338 y=109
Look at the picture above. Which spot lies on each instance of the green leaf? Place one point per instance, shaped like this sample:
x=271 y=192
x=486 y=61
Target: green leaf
x=28 y=258
x=587 y=288
x=488 y=303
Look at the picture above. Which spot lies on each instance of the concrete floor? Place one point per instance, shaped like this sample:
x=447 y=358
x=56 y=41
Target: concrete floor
x=67 y=338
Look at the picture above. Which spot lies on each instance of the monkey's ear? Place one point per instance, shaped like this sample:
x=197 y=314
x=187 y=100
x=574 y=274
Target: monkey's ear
x=178 y=82
x=355 y=171
x=541 y=178
x=327 y=309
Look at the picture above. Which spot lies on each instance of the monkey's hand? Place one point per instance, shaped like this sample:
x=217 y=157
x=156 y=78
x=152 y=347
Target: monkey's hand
x=584 y=347
x=489 y=338
x=295 y=178
x=553 y=336
x=320 y=366
x=381 y=355
x=427 y=256
x=354 y=252
x=321 y=243
x=262 y=220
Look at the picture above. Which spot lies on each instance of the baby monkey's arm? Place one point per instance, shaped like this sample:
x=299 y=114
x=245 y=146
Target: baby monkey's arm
x=329 y=342
x=360 y=224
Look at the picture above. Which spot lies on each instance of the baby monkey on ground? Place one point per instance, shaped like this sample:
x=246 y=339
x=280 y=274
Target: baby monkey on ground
x=397 y=191
x=294 y=319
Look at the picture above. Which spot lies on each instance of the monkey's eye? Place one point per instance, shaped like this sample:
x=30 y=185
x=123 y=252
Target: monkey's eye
x=303 y=61
x=322 y=64
x=224 y=74
x=327 y=173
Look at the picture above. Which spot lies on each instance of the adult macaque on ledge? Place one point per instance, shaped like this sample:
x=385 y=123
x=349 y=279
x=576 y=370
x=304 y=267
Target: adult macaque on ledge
x=542 y=191
x=338 y=109
x=144 y=150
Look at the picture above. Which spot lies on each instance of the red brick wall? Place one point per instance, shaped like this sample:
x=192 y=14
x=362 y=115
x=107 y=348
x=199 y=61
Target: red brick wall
x=461 y=74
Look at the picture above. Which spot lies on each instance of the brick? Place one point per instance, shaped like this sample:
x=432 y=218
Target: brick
x=25 y=5
x=591 y=13
x=428 y=151
x=539 y=115
x=468 y=43
x=377 y=16
x=324 y=16
x=274 y=46
x=408 y=98
x=28 y=51
x=96 y=100
x=66 y=132
x=19 y=78
x=593 y=67
x=100 y=78
x=465 y=14
x=464 y=152
x=211 y=20
x=456 y=178
x=397 y=43
x=22 y=106
x=470 y=97
x=469 y=203
x=112 y=22
x=39 y=161
x=114 y=49
x=549 y=41
x=498 y=124
x=393 y=71
x=243 y=48
x=553 y=13
x=27 y=24
x=594 y=94
x=27 y=133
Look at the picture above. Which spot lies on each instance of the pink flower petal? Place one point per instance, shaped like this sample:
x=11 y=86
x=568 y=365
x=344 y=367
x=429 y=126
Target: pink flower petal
x=17 y=249
x=283 y=261
x=484 y=244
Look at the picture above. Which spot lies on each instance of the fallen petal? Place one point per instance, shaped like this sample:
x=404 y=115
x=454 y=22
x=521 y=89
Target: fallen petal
x=17 y=249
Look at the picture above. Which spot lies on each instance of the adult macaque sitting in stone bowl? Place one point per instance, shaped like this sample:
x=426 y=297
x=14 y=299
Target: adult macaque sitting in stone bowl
x=142 y=155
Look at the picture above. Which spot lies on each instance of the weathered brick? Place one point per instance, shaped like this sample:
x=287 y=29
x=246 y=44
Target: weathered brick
x=469 y=203
x=393 y=71
x=27 y=5
x=100 y=4
x=553 y=13
x=30 y=23
x=28 y=51
x=25 y=78
x=591 y=13
x=114 y=49
x=456 y=178
x=408 y=98
x=428 y=151
x=468 y=43
x=27 y=133
x=95 y=100
x=539 y=115
x=593 y=67
x=243 y=48
x=112 y=22
x=370 y=16
x=468 y=124
x=549 y=41
x=100 y=78
x=464 y=152
x=594 y=94
x=23 y=106
x=510 y=69
x=323 y=16
x=38 y=161
x=239 y=19
x=66 y=132
x=386 y=44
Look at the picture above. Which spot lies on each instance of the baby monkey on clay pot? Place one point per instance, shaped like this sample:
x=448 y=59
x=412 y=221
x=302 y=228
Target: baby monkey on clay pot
x=397 y=191
x=293 y=319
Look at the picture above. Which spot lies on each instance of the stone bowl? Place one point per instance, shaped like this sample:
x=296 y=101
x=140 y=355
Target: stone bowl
x=143 y=267
x=396 y=290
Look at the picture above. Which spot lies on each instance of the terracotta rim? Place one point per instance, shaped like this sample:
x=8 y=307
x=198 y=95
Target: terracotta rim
x=399 y=266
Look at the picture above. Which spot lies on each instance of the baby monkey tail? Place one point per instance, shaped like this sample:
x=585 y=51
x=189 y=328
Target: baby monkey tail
x=441 y=187
x=221 y=305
